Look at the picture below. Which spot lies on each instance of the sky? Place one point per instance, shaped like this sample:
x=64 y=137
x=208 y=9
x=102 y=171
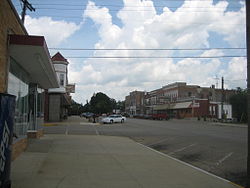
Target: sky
x=146 y=43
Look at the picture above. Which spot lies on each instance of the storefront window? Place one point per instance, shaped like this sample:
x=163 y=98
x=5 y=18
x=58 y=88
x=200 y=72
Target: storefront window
x=18 y=86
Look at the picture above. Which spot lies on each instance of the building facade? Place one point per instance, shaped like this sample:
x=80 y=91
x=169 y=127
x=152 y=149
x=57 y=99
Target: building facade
x=134 y=103
x=59 y=99
x=26 y=71
x=180 y=100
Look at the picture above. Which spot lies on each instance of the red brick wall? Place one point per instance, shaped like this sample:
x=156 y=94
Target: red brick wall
x=9 y=24
x=203 y=109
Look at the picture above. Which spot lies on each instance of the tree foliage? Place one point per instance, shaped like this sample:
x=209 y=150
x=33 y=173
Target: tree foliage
x=120 y=105
x=75 y=108
x=239 y=105
x=101 y=103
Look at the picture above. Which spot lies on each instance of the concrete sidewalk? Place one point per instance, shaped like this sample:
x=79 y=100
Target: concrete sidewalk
x=67 y=161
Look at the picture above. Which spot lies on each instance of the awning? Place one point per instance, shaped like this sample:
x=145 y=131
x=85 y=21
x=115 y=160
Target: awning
x=182 y=105
x=162 y=107
x=31 y=53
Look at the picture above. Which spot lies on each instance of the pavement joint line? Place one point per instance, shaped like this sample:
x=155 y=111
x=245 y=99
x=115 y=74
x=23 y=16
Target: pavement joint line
x=189 y=165
x=158 y=142
x=67 y=130
x=224 y=158
x=229 y=125
x=96 y=131
x=181 y=149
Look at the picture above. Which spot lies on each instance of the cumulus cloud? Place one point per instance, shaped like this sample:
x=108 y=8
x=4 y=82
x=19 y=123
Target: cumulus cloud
x=182 y=28
x=55 y=32
x=236 y=73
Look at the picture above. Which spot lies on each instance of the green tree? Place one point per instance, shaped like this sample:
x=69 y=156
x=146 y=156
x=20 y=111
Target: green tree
x=121 y=105
x=86 y=107
x=101 y=103
x=75 y=108
x=239 y=105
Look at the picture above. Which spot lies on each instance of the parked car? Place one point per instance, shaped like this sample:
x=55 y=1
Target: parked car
x=147 y=116
x=139 y=116
x=87 y=114
x=114 y=119
x=125 y=114
x=160 y=116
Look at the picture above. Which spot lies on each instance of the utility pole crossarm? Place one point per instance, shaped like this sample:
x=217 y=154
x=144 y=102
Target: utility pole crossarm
x=26 y=5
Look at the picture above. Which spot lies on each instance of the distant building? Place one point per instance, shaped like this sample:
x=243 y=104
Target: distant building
x=58 y=100
x=134 y=103
x=181 y=100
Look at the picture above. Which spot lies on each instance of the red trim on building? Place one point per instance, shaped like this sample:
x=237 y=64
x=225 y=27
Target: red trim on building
x=58 y=57
x=27 y=40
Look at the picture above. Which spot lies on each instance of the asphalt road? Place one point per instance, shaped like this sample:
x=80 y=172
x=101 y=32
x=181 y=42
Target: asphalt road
x=221 y=150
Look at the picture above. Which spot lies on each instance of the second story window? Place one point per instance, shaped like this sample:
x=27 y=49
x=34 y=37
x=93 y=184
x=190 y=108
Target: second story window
x=61 y=80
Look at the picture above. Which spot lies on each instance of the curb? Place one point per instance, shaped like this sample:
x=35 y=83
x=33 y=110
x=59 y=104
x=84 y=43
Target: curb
x=50 y=124
x=229 y=125
x=189 y=165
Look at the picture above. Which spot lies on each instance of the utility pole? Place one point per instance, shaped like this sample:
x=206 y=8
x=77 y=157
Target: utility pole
x=217 y=79
x=248 y=86
x=26 y=5
x=222 y=98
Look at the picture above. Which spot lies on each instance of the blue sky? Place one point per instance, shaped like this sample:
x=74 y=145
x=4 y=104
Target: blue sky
x=140 y=24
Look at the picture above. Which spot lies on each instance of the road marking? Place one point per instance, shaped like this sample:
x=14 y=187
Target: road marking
x=96 y=131
x=182 y=162
x=224 y=158
x=67 y=130
x=110 y=125
x=158 y=142
x=181 y=149
x=86 y=123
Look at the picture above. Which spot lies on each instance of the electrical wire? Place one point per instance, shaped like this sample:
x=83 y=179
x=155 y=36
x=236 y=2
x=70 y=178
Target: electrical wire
x=150 y=49
x=119 y=6
x=151 y=57
x=125 y=10
x=135 y=20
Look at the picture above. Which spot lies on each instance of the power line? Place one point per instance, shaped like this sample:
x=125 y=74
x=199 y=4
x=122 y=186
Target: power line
x=126 y=10
x=149 y=57
x=121 y=6
x=139 y=21
x=149 y=49
x=166 y=0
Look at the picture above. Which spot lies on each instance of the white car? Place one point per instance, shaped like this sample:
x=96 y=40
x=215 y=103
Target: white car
x=114 y=119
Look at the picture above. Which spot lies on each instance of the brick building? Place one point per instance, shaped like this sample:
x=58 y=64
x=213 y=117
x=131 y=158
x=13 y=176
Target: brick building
x=134 y=103
x=26 y=71
x=181 y=100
